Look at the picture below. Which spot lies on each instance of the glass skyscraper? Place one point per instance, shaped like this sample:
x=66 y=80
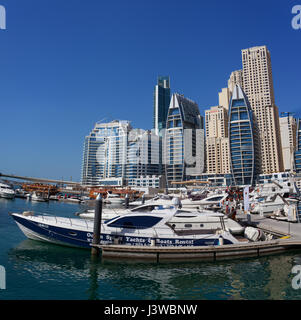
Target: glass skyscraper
x=244 y=151
x=142 y=155
x=183 y=141
x=105 y=152
x=116 y=150
x=161 y=103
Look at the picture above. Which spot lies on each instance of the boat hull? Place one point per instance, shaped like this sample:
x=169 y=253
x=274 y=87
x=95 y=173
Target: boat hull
x=7 y=195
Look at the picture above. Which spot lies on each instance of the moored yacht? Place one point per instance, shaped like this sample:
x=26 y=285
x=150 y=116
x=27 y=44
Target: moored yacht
x=147 y=229
x=6 y=191
x=38 y=197
x=214 y=201
x=113 y=198
x=184 y=219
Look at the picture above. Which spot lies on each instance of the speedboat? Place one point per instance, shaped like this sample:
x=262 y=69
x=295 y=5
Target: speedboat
x=113 y=199
x=144 y=229
x=38 y=197
x=6 y=191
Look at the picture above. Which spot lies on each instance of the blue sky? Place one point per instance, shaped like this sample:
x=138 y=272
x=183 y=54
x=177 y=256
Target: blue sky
x=67 y=64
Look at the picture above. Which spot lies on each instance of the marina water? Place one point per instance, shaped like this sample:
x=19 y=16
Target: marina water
x=36 y=270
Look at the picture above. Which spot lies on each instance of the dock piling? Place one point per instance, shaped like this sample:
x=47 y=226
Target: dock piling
x=127 y=201
x=97 y=225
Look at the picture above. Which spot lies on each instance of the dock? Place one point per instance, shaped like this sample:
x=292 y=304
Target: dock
x=289 y=239
x=278 y=227
x=204 y=253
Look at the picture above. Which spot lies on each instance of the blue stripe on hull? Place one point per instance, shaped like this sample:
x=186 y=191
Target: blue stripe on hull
x=71 y=237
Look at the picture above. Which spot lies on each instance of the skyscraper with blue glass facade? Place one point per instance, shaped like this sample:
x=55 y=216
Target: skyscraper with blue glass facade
x=116 y=150
x=184 y=141
x=105 y=152
x=244 y=149
x=298 y=147
x=161 y=103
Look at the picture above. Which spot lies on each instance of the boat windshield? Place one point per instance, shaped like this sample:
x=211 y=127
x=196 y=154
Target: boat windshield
x=135 y=222
x=219 y=198
x=147 y=208
x=6 y=187
x=109 y=220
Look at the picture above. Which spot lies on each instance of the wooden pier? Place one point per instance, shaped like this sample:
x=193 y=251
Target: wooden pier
x=204 y=253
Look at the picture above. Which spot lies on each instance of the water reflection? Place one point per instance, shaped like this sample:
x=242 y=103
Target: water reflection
x=67 y=273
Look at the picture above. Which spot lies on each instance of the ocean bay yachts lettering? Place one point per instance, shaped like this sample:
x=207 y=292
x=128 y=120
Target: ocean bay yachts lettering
x=2 y=18
x=137 y=240
x=296 y=21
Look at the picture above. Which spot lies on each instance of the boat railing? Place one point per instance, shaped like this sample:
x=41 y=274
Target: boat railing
x=46 y=217
x=156 y=231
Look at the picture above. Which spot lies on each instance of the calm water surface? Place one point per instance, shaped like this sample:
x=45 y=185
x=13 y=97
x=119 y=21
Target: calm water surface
x=35 y=270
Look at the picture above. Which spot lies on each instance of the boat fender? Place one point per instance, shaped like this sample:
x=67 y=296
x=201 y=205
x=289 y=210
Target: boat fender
x=28 y=213
x=220 y=241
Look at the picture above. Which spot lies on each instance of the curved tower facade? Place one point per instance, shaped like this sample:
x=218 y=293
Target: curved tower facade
x=244 y=151
x=183 y=141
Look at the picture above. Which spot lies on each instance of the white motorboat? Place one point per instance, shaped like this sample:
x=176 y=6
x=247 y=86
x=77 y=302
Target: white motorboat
x=113 y=198
x=144 y=229
x=19 y=193
x=38 y=197
x=266 y=205
x=162 y=200
x=6 y=191
x=187 y=220
x=214 y=201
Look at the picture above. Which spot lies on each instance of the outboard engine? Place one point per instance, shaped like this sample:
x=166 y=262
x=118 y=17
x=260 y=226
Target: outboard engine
x=254 y=234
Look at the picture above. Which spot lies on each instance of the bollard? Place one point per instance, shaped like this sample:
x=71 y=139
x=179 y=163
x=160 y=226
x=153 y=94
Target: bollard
x=127 y=201
x=249 y=217
x=97 y=225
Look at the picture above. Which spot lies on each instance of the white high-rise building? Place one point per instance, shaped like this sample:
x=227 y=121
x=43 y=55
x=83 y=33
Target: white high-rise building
x=235 y=79
x=258 y=87
x=217 y=141
x=288 y=128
